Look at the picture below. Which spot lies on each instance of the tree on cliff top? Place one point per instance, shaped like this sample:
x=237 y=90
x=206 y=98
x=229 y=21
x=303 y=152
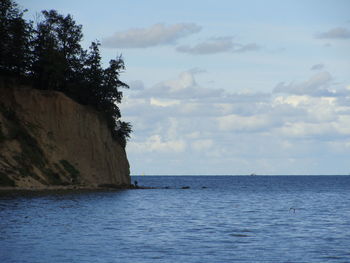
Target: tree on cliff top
x=15 y=36
x=50 y=56
x=58 y=57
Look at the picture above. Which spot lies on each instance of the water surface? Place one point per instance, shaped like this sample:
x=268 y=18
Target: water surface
x=219 y=219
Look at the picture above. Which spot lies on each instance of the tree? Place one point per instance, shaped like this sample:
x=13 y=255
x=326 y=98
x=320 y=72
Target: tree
x=93 y=76
x=124 y=129
x=15 y=35
x=58 y=55
x=51 y=57
x=111 y=82
x=111 y=95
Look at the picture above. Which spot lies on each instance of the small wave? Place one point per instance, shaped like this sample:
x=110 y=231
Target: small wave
x=238 y=235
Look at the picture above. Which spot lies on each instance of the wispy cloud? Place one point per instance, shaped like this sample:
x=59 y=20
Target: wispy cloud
x=211 y=46
x=318 y=85
x=155 y=35
x=335 y=33
x=319 y=66
x=217 y=45
x=182 y=87
x=240 y=48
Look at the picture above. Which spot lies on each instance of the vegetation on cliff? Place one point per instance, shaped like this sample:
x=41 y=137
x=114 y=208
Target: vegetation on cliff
x=48 y=55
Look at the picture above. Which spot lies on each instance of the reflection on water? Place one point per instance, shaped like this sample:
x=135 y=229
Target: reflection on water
x=234 y=219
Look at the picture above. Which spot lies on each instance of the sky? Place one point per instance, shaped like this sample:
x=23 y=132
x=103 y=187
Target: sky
x=227 y=87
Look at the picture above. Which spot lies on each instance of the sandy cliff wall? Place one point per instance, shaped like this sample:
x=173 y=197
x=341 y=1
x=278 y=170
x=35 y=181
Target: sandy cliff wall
x=48 y=139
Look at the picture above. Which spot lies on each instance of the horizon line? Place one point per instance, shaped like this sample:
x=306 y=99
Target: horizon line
x=240 y=175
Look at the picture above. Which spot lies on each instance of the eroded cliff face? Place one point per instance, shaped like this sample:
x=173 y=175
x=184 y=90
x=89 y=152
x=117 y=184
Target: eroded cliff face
x=47 y=139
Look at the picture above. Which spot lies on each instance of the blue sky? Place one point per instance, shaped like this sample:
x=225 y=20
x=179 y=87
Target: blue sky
x=228 y=87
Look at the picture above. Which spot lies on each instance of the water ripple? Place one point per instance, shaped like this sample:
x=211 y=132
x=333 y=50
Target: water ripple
x=235 y=219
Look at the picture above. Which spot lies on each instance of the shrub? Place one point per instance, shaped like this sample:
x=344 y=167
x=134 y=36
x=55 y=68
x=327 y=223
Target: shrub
x=5 y=180
x=70 y=169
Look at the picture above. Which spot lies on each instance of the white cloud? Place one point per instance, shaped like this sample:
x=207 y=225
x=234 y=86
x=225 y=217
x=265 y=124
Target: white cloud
x=304 y=129
x=318 y=85
x=211 y=129
x=256 y=123
x=156 y=35
x=155 y=143
x=163 y=102
x=217 y=45
x=202 y=145
x=343 y=125
x=335 y=33
x=182 y=87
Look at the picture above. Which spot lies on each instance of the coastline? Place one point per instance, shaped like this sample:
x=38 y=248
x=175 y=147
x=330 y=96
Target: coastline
x=72 y=188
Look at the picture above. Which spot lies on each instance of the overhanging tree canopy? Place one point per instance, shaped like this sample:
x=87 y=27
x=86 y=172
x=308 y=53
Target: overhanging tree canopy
x=49 y=56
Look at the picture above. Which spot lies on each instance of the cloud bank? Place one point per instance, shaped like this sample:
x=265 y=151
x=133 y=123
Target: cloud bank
x=155 y=35
x=179 y=125
x=335 y=33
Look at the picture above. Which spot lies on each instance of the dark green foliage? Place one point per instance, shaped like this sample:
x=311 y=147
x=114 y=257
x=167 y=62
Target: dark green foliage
x=8 y=113
x=31 y=154
x=24 y=166
x=30 y=148
x=111 y=81
x=93 y=77
x=5 y=180
x=123 y=132
x=60 y=169
x=57 y=51
x=31 y=151
x=2 y=135
x=70 y=169
x=53 y=178
x=15 y=35
x=49 y=56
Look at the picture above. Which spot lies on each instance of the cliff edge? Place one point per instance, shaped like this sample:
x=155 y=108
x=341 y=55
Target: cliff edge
x=48 y=140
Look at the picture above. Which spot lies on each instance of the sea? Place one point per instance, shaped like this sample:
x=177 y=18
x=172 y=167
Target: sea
x=184 y=219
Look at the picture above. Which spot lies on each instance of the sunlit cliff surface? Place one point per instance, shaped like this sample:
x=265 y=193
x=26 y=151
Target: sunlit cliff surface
x=48 y=140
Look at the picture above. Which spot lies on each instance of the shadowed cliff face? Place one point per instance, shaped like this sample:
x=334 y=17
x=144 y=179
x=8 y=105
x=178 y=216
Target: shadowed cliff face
x=47 y=139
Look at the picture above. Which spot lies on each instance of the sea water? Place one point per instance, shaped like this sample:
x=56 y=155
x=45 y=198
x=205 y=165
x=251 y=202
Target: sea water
x=217 y=219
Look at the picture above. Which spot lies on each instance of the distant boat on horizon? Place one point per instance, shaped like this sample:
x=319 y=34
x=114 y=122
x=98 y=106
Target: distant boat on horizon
x=253 y=174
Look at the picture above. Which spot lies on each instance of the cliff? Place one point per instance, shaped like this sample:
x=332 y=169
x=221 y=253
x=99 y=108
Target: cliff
x=48 y=140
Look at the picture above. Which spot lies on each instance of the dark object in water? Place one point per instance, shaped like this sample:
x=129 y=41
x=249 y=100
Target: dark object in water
x=204 y=187
x=136 y=184
x=111 y=186
x=293 y=209
x=185 y=187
